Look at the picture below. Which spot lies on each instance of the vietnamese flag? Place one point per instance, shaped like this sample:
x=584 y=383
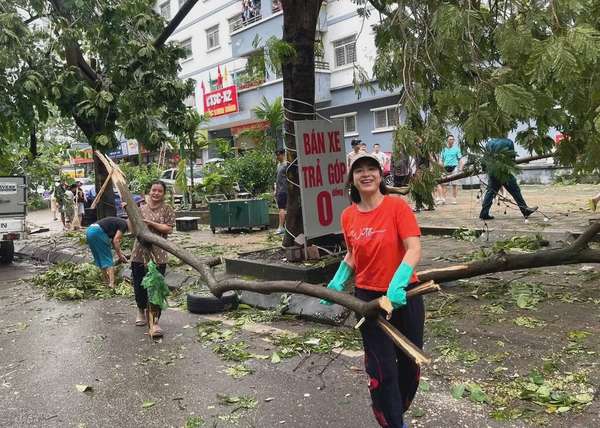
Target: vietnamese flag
x=219 y=77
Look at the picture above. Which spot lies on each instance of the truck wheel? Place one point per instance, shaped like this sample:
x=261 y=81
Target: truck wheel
x=207 y=304
x=7 y=252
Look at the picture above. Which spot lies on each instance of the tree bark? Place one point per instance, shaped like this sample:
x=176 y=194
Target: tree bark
x=299 y=28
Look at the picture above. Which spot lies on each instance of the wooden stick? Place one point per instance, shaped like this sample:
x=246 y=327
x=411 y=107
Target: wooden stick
x=102 y=189
x=402 y=342
x=425 y=288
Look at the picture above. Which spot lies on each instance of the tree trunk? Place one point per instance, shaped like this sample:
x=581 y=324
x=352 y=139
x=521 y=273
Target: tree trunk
x=299 y=27
x=106 y=207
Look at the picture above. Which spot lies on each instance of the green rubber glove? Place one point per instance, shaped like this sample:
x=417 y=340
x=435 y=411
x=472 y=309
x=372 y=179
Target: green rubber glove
x=397 y=288
x=338 y=282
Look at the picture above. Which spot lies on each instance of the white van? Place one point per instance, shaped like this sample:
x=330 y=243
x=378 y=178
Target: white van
x=13 y=210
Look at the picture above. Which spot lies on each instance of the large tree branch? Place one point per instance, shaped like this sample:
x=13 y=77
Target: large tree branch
x=143 y=234
x=576 y=253
x=470 y=171
x=73 y=53
x=172 y=26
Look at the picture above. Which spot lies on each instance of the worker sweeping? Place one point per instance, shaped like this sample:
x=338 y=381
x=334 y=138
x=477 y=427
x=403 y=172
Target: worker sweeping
x=103 y=235
x=383 y=241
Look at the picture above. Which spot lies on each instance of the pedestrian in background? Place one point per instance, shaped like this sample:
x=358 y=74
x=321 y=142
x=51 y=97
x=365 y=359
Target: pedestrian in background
x=423 y=162
x=69 y=205
x=497 y=146
x=451 y=161
x=160 y=219
x=384 y=246
x=281 y=189
x=381 y=157
x=356 y=147
x=401 y=169
x=80 y=201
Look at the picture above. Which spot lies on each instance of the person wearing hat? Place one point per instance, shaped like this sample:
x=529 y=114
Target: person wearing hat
x=356 y=151
x=383 y=241
x=100 y=237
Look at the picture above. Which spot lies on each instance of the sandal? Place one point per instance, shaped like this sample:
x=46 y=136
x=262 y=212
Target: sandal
x=140 y=319
x=155 y=332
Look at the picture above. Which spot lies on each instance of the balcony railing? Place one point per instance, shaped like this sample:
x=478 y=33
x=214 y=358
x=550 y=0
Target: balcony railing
x=250 y=14
x=321 y=65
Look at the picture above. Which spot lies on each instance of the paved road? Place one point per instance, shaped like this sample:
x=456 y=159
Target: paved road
x=48 y=347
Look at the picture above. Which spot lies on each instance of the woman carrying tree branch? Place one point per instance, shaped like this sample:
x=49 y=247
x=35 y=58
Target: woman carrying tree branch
x=383 y=240
x=160 y=219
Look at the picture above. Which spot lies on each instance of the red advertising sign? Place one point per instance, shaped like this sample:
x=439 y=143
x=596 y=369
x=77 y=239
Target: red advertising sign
x=222 y=101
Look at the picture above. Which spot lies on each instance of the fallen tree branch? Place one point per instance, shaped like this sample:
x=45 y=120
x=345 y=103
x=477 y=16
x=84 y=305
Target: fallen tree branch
x=217 y=288
x=577 y=252
x=470 y=171
x=467 y=172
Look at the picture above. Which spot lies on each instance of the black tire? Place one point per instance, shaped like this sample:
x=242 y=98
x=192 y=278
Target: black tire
x=206 y=304
x=7 y=252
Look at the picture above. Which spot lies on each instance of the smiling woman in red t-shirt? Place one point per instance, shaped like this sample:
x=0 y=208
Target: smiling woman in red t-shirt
x=383 y=241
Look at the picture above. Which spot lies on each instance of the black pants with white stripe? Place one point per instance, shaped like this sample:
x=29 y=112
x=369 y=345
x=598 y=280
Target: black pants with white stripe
x=393 y=377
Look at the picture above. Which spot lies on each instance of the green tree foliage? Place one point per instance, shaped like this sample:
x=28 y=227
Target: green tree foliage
x=98 y=62
x=254 y=171
x=488 y=67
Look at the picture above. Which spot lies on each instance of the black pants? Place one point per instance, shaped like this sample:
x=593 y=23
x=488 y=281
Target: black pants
x=401 y=180
x=138 y=271
x=393 y=377
x=511 y=186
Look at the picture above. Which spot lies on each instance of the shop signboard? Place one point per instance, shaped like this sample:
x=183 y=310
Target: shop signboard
x=222 y=101
x=133 y=147
x=322 y=174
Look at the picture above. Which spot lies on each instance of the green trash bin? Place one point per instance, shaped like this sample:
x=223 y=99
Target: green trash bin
x=239 y=214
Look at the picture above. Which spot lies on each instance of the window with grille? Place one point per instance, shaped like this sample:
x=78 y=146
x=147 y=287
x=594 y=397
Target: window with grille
x=349 y=119
x=186 y=45
x=345 y=51
x=386 y=118
x=165 y=10
x=350 y=125
x=212 y=37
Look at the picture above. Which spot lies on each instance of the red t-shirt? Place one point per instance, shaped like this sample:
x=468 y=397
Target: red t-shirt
x=375 y=240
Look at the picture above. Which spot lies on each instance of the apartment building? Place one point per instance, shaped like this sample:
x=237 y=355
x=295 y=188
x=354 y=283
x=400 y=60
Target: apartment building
x=224 y=39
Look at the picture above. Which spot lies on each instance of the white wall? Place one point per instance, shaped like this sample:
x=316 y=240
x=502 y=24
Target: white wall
x=206 y=14
x=349 y=24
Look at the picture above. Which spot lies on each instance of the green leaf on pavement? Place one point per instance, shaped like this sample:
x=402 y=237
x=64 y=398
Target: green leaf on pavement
x=458 y=390
x=275 y=358
x=147 y=404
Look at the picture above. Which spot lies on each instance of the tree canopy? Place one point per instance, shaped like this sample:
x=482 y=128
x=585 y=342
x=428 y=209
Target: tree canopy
x=492 y=67
x=101 y=63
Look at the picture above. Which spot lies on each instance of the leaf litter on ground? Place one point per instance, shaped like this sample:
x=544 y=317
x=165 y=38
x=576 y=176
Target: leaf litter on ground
x=69 y=281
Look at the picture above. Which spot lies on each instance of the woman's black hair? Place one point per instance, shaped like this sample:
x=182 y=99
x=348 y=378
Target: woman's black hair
x=160 y=183
x=354 y=193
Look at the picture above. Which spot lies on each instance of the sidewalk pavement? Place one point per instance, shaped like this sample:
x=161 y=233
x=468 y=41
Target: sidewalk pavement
x=565 y=207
